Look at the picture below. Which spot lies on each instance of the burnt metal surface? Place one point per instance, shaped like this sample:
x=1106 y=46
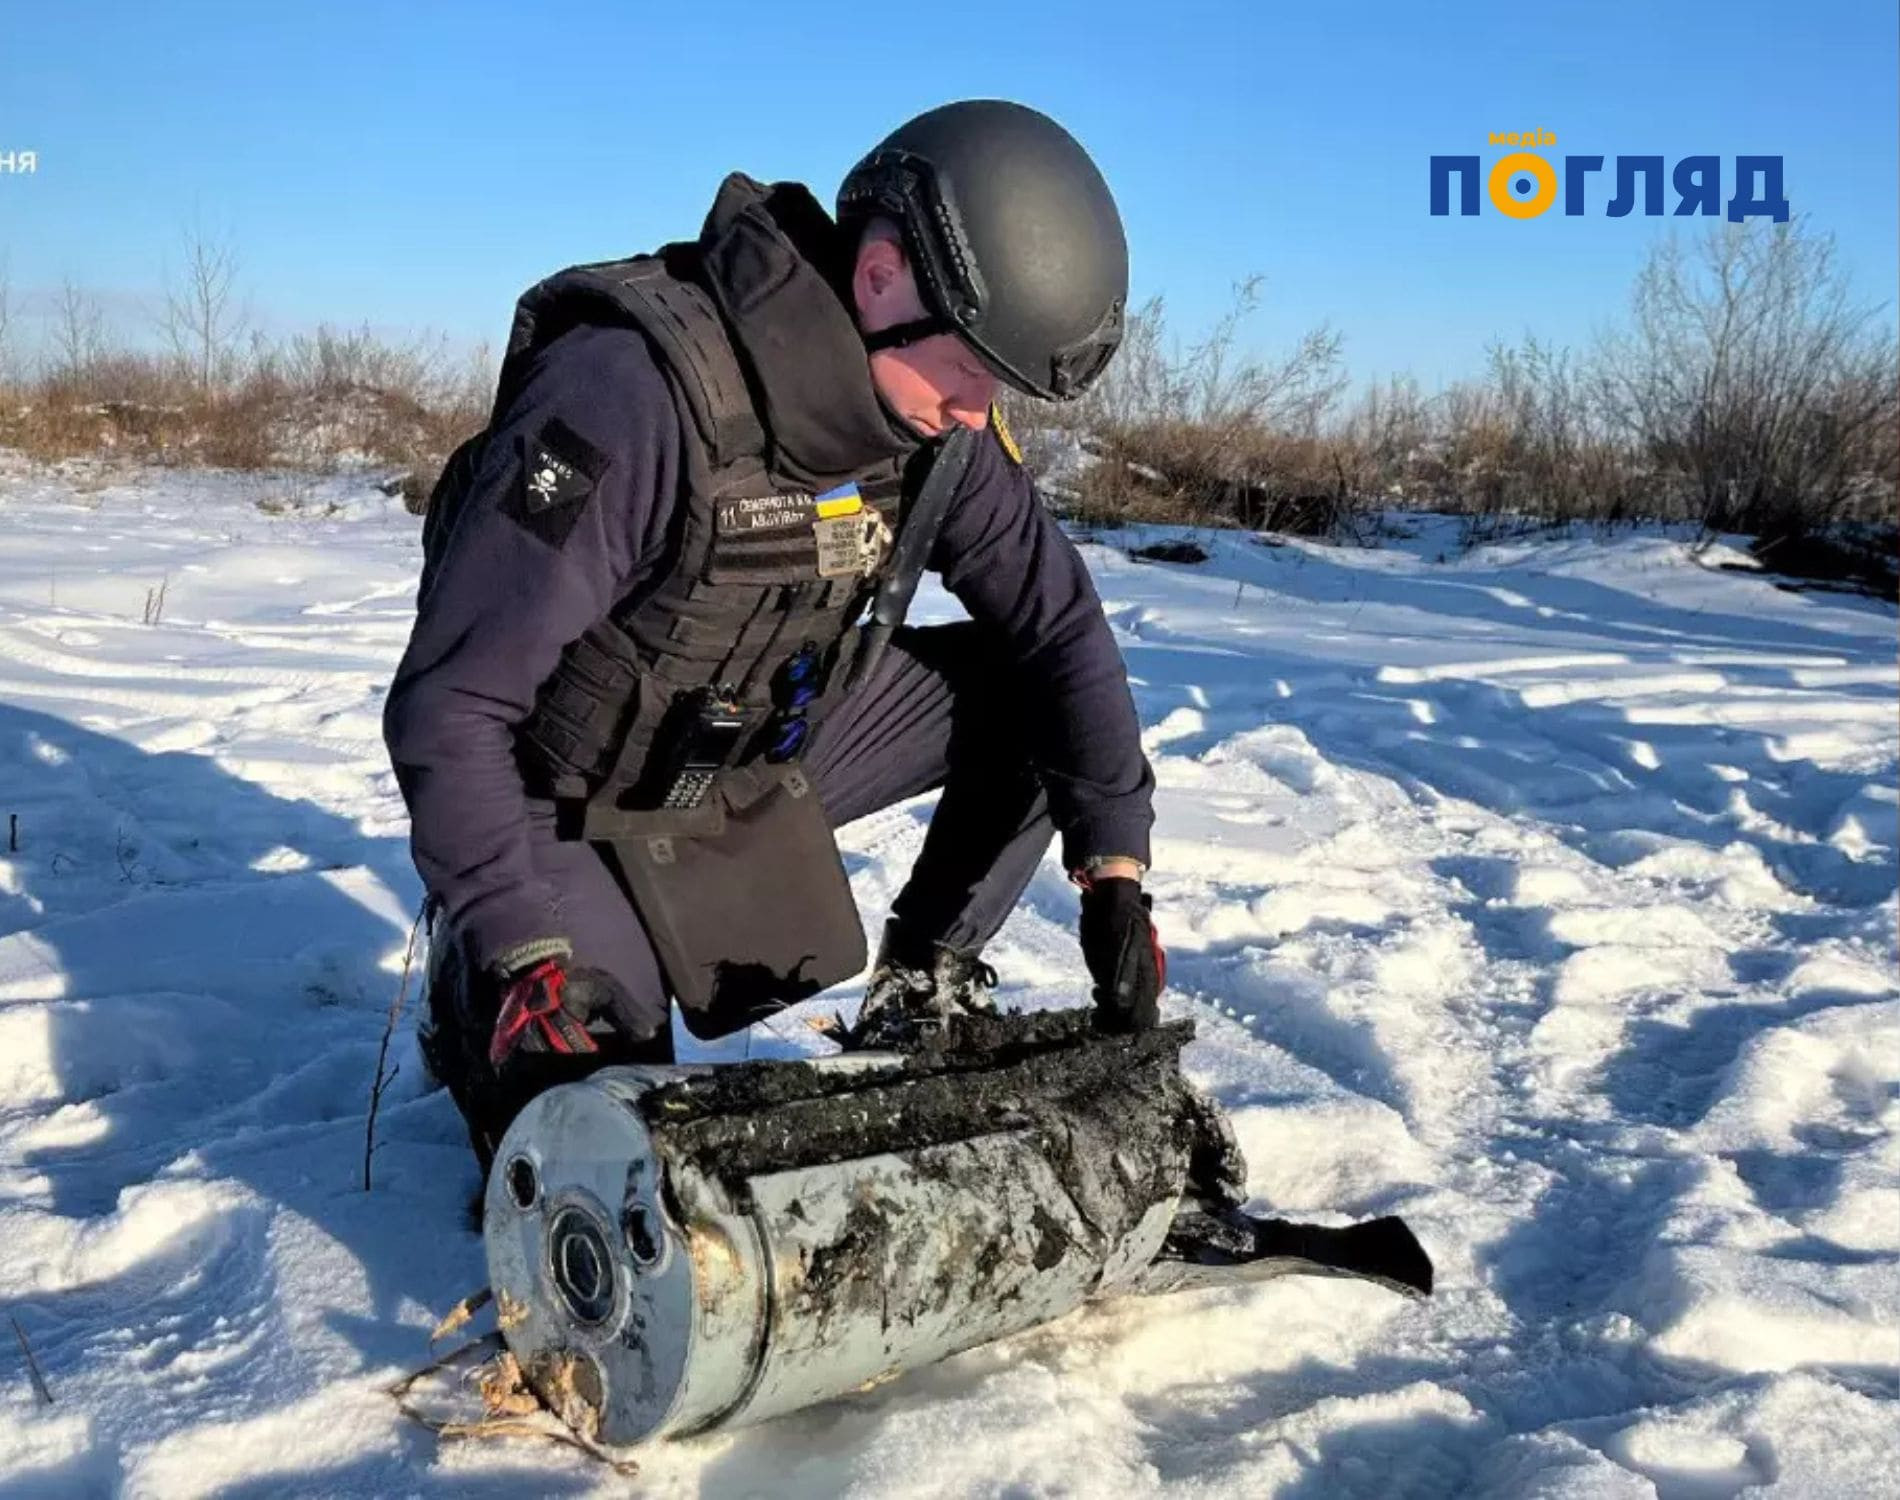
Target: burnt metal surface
x=981 y=1069
x=714 y=1246
x=1112 y=1113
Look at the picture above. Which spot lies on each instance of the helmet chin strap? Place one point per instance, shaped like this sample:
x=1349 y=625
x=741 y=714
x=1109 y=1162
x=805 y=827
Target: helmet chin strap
x=903 y=335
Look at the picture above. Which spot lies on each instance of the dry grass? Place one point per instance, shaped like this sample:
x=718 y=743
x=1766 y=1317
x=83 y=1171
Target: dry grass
x=1747 y=393
x=332 y=399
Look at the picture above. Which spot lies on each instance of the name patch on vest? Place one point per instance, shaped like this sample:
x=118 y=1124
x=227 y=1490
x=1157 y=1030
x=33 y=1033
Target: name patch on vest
x=793 y=509
x=833 y=535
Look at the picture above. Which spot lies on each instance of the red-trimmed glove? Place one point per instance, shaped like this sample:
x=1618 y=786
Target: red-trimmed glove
x=534 y=1016
x=1123 y=952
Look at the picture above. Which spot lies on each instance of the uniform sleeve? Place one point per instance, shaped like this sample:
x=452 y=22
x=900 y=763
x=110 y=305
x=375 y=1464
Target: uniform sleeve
x=568 y=509
x=1003 y=555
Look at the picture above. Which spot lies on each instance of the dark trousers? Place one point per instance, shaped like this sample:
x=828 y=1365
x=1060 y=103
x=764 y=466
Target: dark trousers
x=937 y=711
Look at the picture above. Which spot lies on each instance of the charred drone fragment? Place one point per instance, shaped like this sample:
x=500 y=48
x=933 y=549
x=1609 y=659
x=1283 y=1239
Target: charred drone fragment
x=690 y=1248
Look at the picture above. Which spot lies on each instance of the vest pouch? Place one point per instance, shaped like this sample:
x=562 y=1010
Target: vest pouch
x=746 y=900
x=587 y=714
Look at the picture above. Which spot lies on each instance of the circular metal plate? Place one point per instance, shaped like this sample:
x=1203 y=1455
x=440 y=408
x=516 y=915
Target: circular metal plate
x=583 y=1256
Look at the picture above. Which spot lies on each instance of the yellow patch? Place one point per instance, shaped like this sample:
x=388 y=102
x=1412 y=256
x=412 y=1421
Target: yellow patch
x=846 y=505
x=1003 y=435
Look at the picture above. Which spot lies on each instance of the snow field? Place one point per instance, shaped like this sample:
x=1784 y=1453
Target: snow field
x=1545 y=896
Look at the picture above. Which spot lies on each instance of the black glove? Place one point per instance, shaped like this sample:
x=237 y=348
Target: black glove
x=540 y=1012
x=1123 y=953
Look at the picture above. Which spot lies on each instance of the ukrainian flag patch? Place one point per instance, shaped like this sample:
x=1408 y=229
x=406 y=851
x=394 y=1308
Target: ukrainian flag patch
x=843 y=501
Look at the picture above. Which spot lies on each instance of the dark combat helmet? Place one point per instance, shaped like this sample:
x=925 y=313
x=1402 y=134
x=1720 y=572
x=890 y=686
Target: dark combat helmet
x=1013 y=236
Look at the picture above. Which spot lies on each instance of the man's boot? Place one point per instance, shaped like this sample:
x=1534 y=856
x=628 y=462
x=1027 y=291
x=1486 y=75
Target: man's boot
x=915 y=986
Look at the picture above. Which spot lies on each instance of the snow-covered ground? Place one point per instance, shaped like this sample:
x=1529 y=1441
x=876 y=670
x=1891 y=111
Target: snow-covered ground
x=1544 y=895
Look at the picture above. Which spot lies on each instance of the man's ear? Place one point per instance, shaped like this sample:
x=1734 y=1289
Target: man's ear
x=880 y=267
x=880 y=263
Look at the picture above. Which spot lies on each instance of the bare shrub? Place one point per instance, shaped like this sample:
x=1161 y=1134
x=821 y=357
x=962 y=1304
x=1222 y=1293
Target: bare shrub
x=346 y=393
x=1751 y=374
x=1532 y=445
x=314 y=401
x=1210 y=434
x=1747 y=392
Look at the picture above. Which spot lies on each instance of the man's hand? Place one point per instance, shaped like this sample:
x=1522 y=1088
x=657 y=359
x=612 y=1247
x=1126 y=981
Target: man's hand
x=535 y=1014
x=1123 y=953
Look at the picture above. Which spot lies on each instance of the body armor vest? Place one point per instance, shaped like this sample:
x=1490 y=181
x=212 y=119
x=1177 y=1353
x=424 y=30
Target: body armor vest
x=766 y=569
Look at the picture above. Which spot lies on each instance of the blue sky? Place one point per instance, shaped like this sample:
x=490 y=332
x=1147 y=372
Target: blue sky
x=416 y=165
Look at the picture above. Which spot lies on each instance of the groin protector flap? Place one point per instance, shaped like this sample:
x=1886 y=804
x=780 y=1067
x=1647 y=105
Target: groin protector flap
x=752 y=918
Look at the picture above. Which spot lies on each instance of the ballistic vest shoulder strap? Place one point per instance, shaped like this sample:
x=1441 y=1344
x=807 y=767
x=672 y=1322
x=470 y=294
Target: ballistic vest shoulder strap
x=659 y=295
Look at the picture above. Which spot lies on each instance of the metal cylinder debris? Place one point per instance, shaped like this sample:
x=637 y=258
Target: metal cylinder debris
x=675 y=1249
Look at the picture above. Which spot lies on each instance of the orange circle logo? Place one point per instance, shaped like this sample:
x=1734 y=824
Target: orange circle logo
x=1500 y=185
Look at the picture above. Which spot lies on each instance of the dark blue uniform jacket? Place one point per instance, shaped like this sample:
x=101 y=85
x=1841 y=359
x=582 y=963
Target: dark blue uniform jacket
x=504 y=602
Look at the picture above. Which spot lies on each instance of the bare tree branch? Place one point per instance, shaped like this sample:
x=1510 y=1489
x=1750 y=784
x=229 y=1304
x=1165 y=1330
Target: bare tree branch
x=78 y=333
x=201 y=321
